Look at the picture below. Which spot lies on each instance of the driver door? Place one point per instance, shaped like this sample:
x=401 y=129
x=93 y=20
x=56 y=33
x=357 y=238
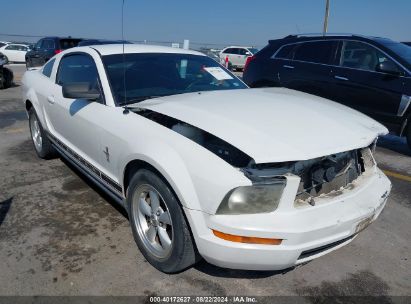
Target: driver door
x=76 y=122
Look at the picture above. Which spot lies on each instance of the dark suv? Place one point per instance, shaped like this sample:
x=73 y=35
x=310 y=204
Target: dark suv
x=46 y=48
x=372 y=75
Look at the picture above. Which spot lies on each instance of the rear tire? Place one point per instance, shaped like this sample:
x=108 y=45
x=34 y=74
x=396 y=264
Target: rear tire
x=42 y=144
x=158 y=223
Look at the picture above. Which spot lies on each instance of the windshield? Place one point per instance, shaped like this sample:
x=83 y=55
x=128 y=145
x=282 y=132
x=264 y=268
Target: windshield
x=147 y=75
x=402 y=50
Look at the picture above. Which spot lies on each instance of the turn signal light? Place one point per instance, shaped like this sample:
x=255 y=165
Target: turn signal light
x=57 y=51
x=246 y=239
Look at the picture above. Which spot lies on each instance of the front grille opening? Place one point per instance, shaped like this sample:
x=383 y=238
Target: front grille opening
x=332 y=175
x=311 y=252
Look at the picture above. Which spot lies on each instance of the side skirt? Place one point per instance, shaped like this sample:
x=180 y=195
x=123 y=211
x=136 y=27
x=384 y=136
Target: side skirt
x=90 y=175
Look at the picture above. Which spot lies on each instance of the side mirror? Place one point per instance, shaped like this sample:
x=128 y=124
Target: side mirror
x=248 y=54
x=388 y=67
x=80 y=90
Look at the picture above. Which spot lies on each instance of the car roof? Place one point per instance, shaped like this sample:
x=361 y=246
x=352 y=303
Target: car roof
x=240 y=47
x=56 y=37
x=308 y=37
x=111 y=49
x=21 y=44
x=87 y=42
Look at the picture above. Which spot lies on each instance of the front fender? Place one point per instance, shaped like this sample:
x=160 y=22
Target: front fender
x=199 y=178
x=169 y=163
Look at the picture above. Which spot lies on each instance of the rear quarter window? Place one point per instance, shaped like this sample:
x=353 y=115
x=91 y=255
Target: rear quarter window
x=48 y=68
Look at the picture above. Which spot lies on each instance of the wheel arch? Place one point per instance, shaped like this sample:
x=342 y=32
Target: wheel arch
x=31 y=101
x=179 y=181
x=28 y=105
x=132 y=167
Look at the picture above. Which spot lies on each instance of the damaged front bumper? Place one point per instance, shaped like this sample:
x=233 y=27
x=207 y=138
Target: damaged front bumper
x=306 y=233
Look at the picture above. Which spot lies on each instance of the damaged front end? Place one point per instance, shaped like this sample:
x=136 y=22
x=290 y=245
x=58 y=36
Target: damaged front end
x=327 y=176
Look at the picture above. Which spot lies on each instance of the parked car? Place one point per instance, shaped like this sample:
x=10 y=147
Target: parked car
x=246 y=178
x=15 y=52
x=46 y=48
x=6 y=75
x=101 y=41
x=3 y=43
x=372 y=75
x=236 y=55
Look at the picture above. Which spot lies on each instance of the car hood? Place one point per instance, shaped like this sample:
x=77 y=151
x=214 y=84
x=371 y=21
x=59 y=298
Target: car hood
x=272 y=124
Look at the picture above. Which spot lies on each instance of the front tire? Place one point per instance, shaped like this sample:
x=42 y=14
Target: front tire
x=42 y=144
x=158 y=223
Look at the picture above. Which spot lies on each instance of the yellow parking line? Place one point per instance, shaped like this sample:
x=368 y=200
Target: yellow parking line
x=15 y=130
x=398 y=175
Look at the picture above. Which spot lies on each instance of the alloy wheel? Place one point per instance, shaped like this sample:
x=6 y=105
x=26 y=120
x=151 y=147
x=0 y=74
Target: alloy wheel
x=36 y=133
x=152 y=220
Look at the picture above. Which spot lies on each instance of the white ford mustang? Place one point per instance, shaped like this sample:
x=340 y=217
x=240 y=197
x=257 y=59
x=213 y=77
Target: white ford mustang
x=260 y=179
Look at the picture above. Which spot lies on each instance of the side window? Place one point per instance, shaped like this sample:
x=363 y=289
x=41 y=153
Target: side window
x=48 y=68
x=242 y=51
x=38 y=44
x=11 y=47
x=361 y=56
x=228 y=51
x=316 y=52
x=47 y=44
x=77 y=68
x=285 y=52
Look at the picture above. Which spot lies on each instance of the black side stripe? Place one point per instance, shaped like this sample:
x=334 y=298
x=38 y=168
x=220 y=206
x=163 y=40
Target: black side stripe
x=212 y=143
x=92 y=170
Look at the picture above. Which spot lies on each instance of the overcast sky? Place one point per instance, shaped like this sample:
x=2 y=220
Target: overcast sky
x=212 y=21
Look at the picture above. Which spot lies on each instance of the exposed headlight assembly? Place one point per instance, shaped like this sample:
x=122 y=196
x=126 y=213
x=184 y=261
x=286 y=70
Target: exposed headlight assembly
x=258 y=198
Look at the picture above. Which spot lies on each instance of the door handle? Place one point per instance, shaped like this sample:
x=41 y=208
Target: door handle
x=50 y=99
x=341 y=78
x=288 y=67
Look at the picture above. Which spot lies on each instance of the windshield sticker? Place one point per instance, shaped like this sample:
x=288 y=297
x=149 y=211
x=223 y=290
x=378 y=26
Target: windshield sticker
x=218 y=73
